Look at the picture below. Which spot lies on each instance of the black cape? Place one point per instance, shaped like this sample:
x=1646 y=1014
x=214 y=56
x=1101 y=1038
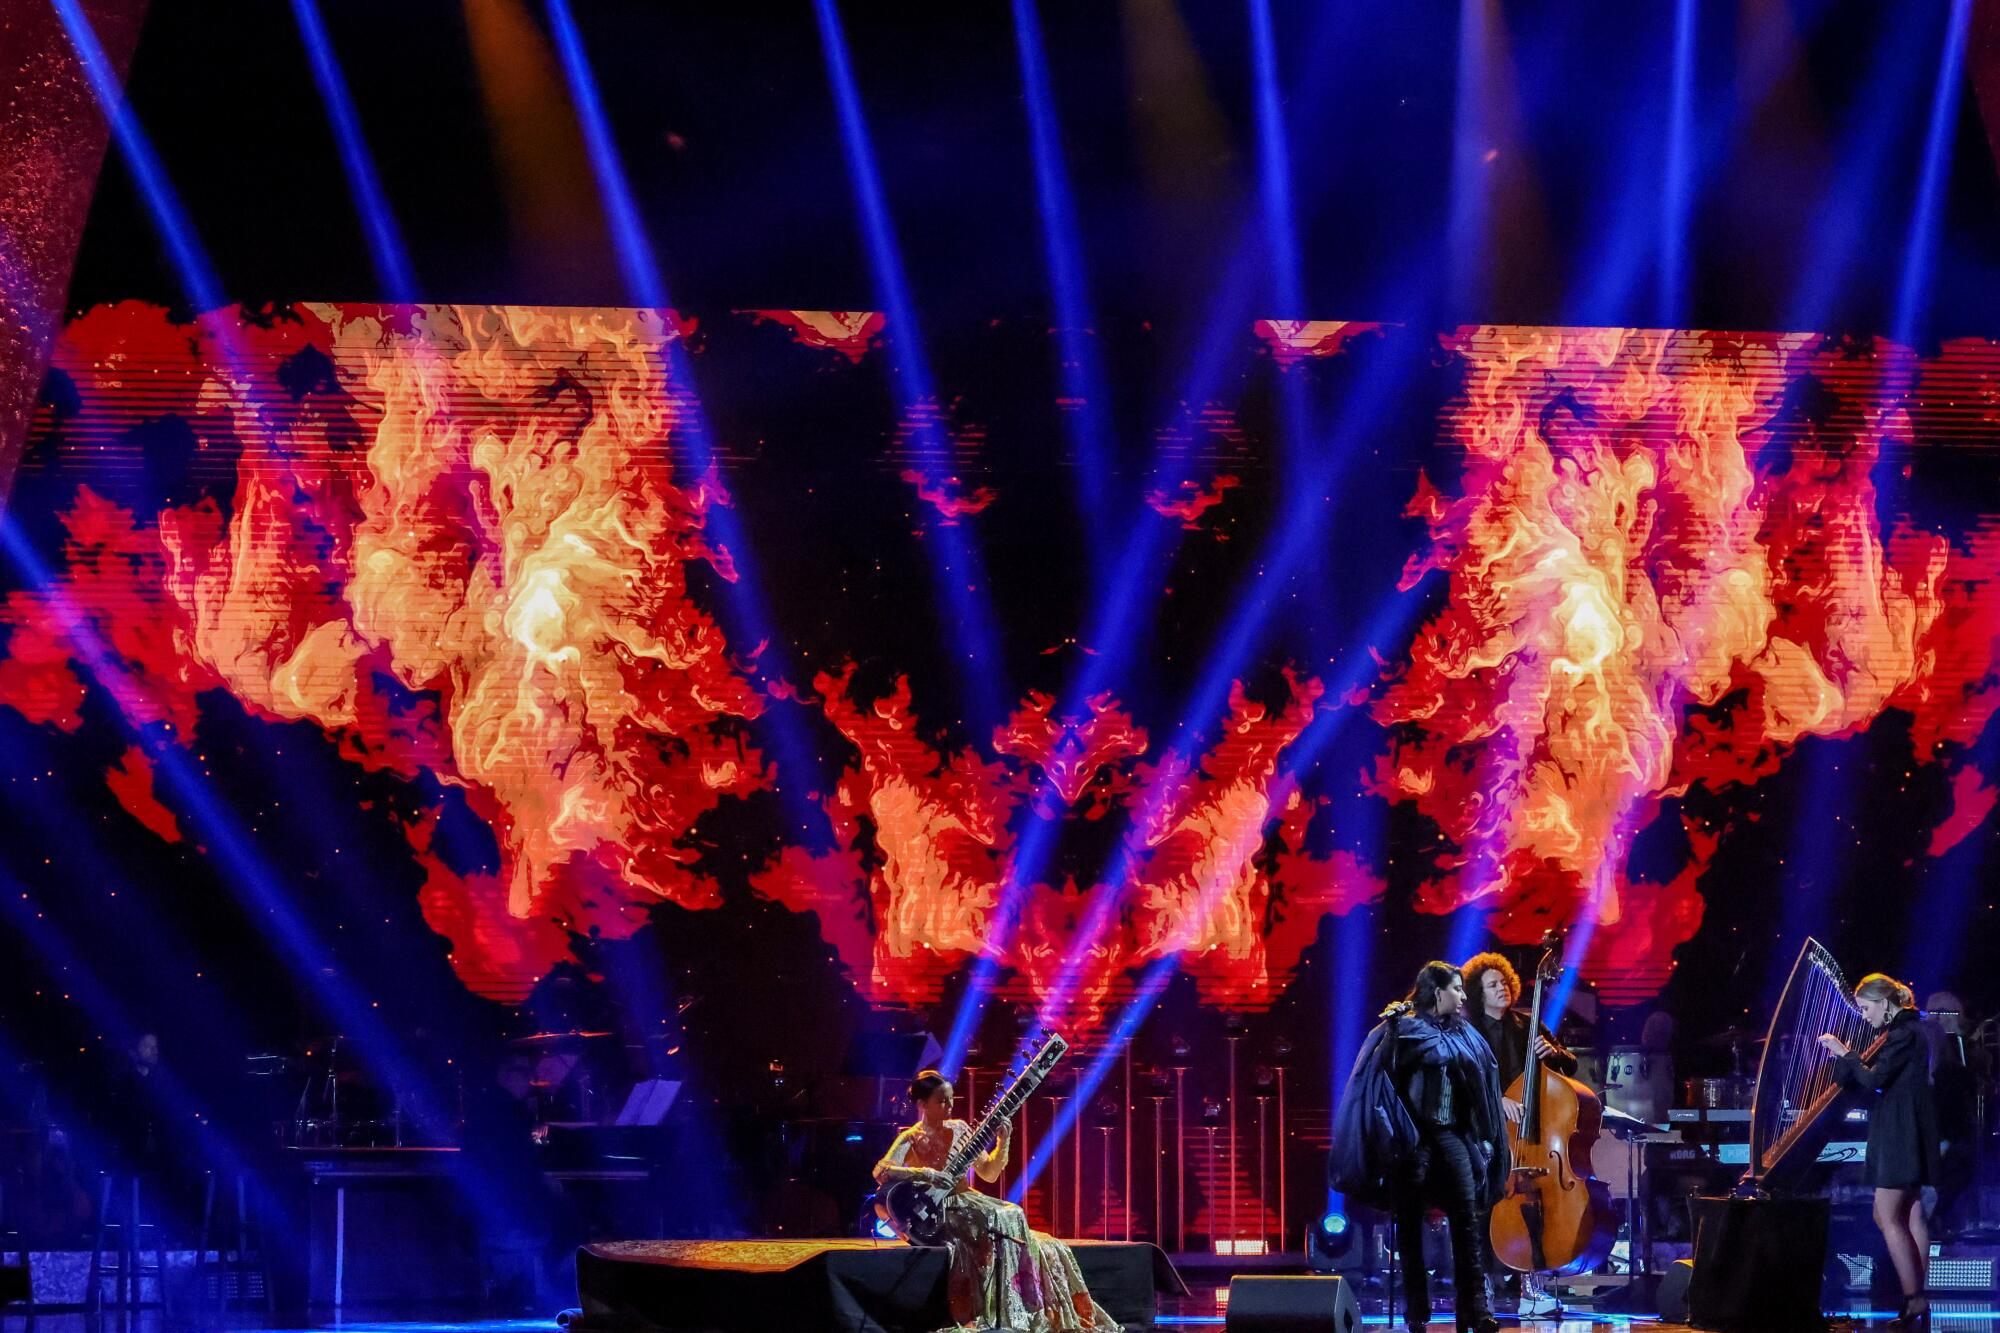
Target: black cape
x=1374 y=1132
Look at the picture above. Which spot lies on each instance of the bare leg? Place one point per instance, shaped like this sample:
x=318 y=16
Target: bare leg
x=1892 y=1215
x=1920 y=1237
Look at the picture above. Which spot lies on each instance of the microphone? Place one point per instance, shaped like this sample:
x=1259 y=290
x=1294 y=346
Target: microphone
x=1397 y=1009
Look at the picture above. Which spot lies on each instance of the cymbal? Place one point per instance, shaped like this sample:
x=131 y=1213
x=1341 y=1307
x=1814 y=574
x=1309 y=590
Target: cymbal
x=1734 y=1036
x=551 y=1038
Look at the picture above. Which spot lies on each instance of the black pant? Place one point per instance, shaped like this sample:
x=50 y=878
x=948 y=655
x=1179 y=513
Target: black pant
x=1443 y=1174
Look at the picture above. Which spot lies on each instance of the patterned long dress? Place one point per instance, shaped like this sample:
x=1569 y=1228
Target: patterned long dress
x=1003 y=1274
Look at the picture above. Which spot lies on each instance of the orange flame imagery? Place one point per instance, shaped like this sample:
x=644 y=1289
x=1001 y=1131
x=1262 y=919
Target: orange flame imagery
x=466 y=544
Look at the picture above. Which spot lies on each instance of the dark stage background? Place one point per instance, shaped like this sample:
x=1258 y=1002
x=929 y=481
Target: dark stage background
x=431 y=674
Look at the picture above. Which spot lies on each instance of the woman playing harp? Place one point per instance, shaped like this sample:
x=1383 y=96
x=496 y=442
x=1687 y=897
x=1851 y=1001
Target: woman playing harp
x=1902 y=1131
x=1003 y=1275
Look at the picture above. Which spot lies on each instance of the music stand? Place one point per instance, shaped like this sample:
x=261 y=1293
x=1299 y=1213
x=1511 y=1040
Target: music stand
x=648 y=1102
x=1641 y=1283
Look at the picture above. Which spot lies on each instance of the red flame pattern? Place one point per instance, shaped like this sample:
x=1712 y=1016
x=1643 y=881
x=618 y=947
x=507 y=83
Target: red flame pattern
x=463 y=554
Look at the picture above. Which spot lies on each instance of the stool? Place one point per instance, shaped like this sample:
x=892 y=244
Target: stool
x=235 y=1263
x=130 y=1286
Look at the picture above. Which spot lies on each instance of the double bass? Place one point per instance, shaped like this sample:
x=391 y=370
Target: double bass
x=1555 y=1216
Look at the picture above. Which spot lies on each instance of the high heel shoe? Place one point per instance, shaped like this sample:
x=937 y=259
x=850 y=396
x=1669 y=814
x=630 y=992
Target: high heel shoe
x=1912 y=1319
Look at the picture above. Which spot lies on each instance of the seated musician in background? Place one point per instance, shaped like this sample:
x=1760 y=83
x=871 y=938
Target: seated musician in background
x=1902 y=1131
x=1957 y=1065
x=524 y=1227
x=1495 y=988
x=1003 y=1275
x=132 y=1121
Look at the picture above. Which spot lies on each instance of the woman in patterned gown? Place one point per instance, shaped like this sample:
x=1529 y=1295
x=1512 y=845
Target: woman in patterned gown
x=1003 y=1275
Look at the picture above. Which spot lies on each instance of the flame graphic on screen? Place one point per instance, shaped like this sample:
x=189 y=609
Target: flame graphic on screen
x=457 y=540
x=944 y=835
x=461 y=553
x=1616 y=553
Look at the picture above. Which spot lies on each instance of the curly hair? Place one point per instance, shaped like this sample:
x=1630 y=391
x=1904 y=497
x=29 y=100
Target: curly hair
x=1476 y=968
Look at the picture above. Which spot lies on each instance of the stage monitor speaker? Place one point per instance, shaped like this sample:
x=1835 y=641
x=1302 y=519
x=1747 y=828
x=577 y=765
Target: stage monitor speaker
x=1291 y=1305
x=1758 y=1265
x=1673 y=1292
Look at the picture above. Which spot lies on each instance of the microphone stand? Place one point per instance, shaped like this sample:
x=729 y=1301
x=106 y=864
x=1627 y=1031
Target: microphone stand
x=1395 y=1009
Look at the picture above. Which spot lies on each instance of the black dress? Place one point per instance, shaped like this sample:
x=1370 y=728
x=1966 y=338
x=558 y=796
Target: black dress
x=1902 y=1120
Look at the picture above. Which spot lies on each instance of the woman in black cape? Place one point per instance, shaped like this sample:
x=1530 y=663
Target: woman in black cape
x=1419 y=1126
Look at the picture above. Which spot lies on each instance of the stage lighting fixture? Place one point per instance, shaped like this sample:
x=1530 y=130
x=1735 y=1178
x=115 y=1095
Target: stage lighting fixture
x=1338 y=1243
x=872 y=1224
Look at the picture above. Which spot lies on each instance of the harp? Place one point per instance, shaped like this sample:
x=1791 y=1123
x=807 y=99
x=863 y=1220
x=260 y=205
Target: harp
x=1794 y=1110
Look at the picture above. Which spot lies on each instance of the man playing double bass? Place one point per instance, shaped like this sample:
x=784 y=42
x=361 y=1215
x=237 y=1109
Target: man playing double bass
x=1495 y=988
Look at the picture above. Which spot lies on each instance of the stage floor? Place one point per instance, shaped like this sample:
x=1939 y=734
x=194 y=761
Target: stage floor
x=1200 y=1311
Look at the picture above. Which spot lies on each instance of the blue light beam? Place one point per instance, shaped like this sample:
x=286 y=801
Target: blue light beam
x=956 y=570
x=385 y=240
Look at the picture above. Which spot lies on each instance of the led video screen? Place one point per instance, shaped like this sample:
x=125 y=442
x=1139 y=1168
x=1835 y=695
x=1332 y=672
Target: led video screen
x=1654 y=635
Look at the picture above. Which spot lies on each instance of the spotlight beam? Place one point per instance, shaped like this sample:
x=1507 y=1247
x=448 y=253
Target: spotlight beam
x=961 y=586
x=1297 y=532
x=1274 y=166
x=1118 y=618
x=1391 y=617
x=243 y=870
x=1869 y=132
x=748 y=617
x=1913 y=291
x=170 y=217
x=1084 y=381
x=1617 y=260
x=385 y=241
x=1676 y=194
x=1469 y=251
x=749 y=614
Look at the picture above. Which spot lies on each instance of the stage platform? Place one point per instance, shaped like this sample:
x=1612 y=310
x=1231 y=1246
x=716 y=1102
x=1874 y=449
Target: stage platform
x=842 y=1286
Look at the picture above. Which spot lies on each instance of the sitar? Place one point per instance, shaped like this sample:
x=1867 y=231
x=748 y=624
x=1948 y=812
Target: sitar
x=914 y=1209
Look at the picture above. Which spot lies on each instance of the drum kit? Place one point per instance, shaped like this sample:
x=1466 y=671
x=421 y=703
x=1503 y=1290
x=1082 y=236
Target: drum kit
x=1640 y=1092
x=340 y=1104
x=321 y=1094
x=565 y=1083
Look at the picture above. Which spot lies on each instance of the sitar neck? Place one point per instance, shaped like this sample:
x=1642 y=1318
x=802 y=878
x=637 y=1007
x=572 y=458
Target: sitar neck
x=1002 y=1107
